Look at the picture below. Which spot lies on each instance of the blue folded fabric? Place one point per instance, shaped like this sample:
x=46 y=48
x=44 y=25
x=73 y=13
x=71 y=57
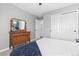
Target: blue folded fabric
x=31 y=49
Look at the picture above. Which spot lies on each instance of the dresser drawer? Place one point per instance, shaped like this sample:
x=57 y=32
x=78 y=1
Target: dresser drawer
x=21 y=34
x=19 y=38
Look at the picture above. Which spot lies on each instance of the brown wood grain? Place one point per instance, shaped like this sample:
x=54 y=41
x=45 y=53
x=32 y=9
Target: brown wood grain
x=19 y=38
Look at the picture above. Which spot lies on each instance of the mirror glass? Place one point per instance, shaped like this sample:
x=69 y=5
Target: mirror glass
x=18 y=24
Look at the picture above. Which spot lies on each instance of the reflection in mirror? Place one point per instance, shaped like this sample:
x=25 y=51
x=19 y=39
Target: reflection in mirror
x=21 y=25
x=17 y=24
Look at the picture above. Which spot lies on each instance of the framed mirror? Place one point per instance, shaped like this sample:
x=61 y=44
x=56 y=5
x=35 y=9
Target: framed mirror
x=18 y=25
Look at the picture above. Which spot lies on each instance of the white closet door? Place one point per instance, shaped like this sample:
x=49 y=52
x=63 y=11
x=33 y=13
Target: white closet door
x=65 y=26
x=38 y=28
x=55 y=26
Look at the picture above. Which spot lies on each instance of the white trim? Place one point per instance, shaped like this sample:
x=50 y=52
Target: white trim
x=4 y=49
x=36 y=39
x=32 y=40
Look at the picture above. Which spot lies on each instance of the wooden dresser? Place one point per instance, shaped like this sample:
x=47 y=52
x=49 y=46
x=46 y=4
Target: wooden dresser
x=18 y=38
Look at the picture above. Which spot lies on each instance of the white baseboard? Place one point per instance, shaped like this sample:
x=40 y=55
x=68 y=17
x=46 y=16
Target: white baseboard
x=4 y=49
x=33 y=39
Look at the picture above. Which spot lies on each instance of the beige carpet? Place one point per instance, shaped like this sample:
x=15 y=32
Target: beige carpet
x=6 y=53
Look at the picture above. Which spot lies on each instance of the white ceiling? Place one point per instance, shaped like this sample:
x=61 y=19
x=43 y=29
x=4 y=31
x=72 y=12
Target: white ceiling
x=36 y=10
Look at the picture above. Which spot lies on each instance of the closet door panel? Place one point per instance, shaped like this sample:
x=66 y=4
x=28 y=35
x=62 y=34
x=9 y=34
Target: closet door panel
x=65 y=26
x=70 y=26
x=55 y=26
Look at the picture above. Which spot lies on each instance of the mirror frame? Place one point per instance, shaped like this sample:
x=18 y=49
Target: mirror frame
x=11 y=21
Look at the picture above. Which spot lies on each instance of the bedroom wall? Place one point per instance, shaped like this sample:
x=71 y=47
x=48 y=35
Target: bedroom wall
x=6 y=12
x=47 y=18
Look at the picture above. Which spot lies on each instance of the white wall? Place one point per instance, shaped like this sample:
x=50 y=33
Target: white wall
x=47 y=18
x=6 y=12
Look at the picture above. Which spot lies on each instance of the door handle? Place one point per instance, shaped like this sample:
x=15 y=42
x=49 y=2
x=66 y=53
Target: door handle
x=74 y=30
